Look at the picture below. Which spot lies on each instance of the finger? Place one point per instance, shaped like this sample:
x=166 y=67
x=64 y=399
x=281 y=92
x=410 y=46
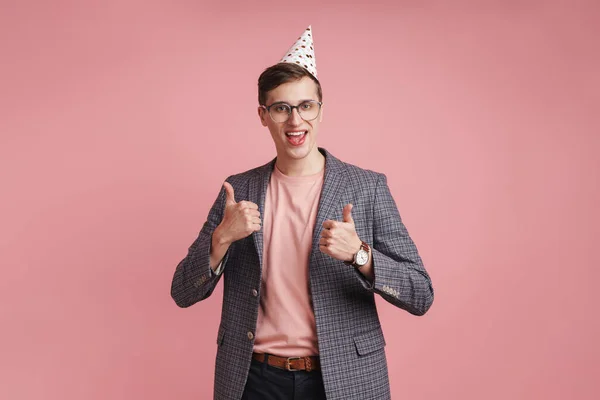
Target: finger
x=326 y=233
x=230 y=196
x=347 y=213
x=329 y=224
x=252 y=213
x=324 y=241
x=248 y=204
x=256 y=220
x=256 y=227
x=249 y=211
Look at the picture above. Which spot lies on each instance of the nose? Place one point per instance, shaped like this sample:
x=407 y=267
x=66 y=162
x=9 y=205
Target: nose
x=295 y=118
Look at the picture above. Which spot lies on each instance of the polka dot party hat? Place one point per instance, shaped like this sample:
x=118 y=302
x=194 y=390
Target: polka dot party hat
x=303 y=52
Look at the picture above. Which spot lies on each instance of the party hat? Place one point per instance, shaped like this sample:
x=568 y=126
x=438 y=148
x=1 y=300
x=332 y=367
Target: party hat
x=303 y=52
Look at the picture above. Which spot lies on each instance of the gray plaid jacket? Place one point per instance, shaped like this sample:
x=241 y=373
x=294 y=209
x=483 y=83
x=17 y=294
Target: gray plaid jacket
x=350 y=338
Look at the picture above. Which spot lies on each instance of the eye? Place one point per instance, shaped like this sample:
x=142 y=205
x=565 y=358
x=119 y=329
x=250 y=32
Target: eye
x=281 y=108
x=306 y=106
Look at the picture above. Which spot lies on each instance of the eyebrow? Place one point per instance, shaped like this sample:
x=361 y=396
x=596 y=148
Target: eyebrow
x=285 y=102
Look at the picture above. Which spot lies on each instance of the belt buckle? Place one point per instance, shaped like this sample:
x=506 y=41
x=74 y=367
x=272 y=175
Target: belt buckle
x=288 y=365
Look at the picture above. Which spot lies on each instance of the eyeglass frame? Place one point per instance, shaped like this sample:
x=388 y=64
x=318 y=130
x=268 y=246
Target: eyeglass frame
x=268 y=108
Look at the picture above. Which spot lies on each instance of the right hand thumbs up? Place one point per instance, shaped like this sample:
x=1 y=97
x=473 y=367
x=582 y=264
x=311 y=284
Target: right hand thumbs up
x=239 y=219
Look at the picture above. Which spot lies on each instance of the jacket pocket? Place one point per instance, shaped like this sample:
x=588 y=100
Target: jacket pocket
x=369 y=342
x=220 y=335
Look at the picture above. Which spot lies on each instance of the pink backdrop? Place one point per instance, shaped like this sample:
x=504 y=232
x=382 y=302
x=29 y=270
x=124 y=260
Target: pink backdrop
x=119 y=121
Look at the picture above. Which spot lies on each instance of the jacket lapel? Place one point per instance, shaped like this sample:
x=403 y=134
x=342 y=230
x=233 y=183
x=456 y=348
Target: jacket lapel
x=334 y=184
x=257 y=192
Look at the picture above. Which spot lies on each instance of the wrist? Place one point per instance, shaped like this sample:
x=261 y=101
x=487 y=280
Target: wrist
x=359 y=258
x=357 y=247
x=219 y=238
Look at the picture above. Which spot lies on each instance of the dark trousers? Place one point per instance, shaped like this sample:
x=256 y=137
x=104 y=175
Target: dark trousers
x=266 y=382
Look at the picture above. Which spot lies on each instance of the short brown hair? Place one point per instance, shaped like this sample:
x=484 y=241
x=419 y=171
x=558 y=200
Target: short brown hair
x=279 y=74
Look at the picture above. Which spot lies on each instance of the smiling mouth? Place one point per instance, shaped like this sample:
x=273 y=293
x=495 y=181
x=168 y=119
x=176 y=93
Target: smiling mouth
x=296 y=133
x=296 y=138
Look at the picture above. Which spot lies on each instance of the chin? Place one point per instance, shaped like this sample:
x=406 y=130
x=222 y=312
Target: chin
x=301 y=152
x=298 y=155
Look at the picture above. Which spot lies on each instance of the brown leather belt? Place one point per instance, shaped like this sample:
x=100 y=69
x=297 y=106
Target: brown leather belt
x=310 y=363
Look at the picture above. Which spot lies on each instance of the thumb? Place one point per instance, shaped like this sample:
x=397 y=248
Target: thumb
x=230 y=197
x=348 y=213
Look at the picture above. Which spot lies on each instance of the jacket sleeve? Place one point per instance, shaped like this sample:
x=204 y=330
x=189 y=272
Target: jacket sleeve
x=194 y=280
x=400 y=277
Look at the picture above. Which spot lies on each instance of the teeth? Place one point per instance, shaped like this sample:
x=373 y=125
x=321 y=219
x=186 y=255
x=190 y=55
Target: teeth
x=295 y=133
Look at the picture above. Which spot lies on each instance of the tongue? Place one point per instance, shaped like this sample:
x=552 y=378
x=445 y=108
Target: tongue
x=296 y=139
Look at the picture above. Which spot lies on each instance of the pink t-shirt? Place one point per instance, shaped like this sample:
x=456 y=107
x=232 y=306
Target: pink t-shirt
x=286 y=322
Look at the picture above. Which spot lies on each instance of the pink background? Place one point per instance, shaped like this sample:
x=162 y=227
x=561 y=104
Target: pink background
x=119 y=121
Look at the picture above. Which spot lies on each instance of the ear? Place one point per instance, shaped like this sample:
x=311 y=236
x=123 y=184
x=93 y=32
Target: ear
x=321 y=116
x=262 y=113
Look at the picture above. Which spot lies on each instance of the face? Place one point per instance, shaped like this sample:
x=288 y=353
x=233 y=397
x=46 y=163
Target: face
x=290 y=147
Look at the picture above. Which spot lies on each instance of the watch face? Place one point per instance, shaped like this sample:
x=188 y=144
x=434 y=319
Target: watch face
x=362 y=257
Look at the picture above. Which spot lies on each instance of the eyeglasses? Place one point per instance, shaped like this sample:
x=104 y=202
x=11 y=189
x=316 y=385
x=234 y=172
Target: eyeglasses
x=280 y=112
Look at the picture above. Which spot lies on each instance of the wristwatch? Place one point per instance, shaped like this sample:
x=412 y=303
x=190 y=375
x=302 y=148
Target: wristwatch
x=361 y=257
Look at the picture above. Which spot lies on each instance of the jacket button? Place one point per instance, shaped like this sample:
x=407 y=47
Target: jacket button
x=250 y=335
x=254 y=292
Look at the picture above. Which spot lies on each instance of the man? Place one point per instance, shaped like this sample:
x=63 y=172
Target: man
x=304 y=243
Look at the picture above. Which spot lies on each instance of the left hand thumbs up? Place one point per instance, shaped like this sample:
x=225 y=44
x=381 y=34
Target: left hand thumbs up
x=339 y=239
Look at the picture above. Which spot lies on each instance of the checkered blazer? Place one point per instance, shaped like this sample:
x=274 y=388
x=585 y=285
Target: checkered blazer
x=350 y=338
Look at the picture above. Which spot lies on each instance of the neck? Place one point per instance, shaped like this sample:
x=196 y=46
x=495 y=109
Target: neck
x=309 y=165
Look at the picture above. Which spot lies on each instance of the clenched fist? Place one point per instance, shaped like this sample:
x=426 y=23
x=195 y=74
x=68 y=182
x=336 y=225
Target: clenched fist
x=239 y=219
